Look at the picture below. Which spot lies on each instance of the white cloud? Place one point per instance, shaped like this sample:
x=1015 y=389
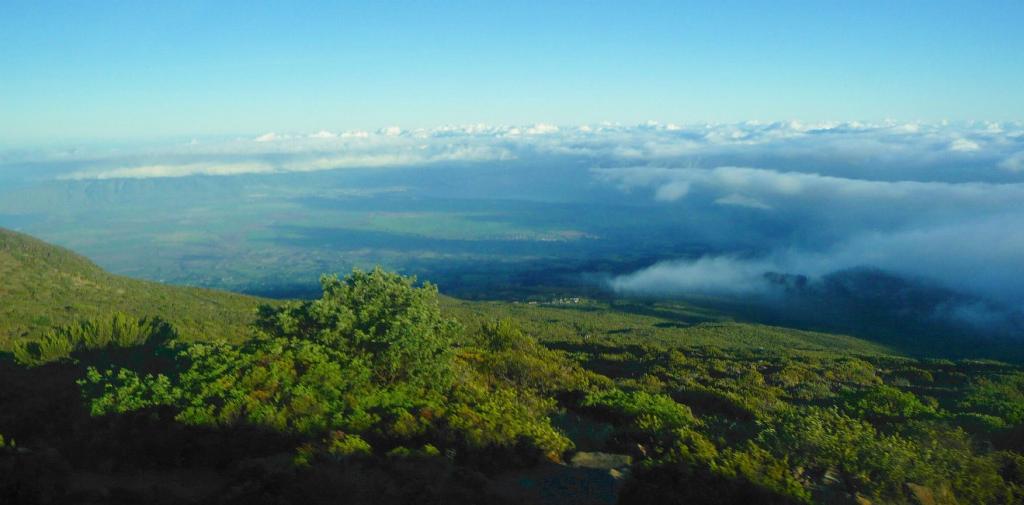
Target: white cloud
x=357 y=134
x=541 y=129
x=960 y=234
x=742 y=201
x=932 y=201
x=174 y=170
x=977 y=256
x=672 y=191
x=1013 y=163
x=706 y=275
x=307 y=154
x=825 y=148
x=964 y=146
x=323 y=134
x=825 y=193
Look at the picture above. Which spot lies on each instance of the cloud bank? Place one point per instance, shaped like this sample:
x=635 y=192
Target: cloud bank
x=942 y=202
x=935 y=204
x=889 y=151
x=968 y=235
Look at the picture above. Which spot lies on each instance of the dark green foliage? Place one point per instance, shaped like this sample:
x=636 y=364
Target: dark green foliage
x=377 y=319
x=886 y=403
x=369 y=365
x=1000 y=396
x=645 y=411
x=502 y=352
x=501 y=426
x=697 y=485
x=374 y=394
x=820 y=440
x=117 y=331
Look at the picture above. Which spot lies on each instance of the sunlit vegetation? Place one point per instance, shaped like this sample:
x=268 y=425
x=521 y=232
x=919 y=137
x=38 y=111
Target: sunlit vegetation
x=119 y=331
x=381 y=391
x=44 y=287
x=786 y=417
x=369 y=365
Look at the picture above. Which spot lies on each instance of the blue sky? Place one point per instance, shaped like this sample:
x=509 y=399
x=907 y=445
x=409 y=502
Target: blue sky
x=133 y=70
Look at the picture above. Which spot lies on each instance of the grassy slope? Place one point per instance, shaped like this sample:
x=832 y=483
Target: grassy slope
x=670 y=325
x=42 y=285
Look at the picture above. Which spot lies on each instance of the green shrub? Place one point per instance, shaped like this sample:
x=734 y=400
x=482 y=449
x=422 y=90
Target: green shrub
x=1001 y=396
x=117 y=331
x=655 y=411
x=886 y=403
x=368 y=364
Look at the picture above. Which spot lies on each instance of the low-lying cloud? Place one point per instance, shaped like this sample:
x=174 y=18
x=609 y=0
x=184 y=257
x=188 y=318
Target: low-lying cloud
x=940 y=202
x=922 y=218
x=717 y=275
x=891 y=151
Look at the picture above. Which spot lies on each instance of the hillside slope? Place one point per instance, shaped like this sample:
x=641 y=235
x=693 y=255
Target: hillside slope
x=42 y=285
x=568 y=400
x=606 y=325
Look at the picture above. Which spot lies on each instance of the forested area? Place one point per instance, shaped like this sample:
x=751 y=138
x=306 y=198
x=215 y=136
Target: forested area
x=373 y=394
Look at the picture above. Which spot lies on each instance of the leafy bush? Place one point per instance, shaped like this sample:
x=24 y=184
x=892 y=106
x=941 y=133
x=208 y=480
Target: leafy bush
x=124 y=390
x=505 y=419
x=853 y=371
x=370 y=364
x=648 y=412
x=1001 y=396
x=515 y=359
x=689 y=483
x=117 y=331
x=886 y=403
x=980 y=423
x=377 y=318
